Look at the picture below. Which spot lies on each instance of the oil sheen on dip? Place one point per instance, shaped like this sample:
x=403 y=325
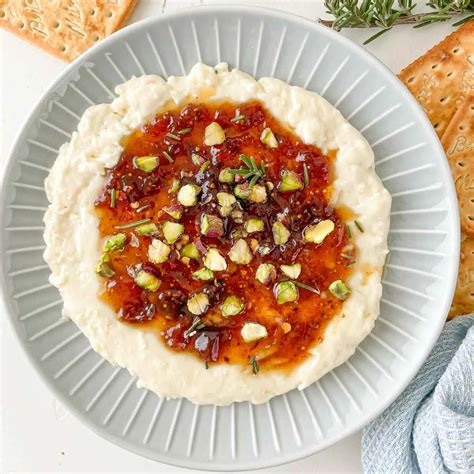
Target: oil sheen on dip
x=250 y=271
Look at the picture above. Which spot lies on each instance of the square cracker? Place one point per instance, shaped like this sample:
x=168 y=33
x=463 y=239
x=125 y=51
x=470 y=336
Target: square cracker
x=65 y=28
x=463 y=302
x=458 y=143
x=441 y=78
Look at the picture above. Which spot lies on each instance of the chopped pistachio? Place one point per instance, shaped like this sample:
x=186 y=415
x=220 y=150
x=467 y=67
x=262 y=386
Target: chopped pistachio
x=175 y=211
x=225 y=211
x=236 y=234
x=268 y=138
x=174 y=186
x=115 y=242
x=158 y=251
x=172 y=231
x=146 y=229
x=198 y=304
x=146 y=163
x=197 y=160
x=214 y=134
x=339 y=290
x=280 y=233
x=286 y=327
x=225 y=176
x=291 y=271
x=148 y=281
x=242 y=191
x=258 y=193
x=317 y=233
x=266 y=273
x=285 y=292
x=103 y=268
x=232 y=305
x=203 y=274
x=187 y=195
x=190 y=251
x=251 y=332
x=264 y=249
x=240 y=252
x=211 y=226
x=237 y=215
x=215 y=261
x=290 y=181
x=226 y=199
x=254 y=225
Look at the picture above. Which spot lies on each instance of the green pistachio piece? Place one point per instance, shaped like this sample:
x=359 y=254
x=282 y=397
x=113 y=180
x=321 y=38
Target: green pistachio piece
x=291 y=271
x=268 y=138
x=226 y=199
x=225 y=211
x=290 y=181
x=251 y=332
x=266 y=273
x=146 y=229
x=103 y=268
x=146 y=163
x=203 y=274
x=225 y=176
x=214 y=134
x=264 y=249
x=237 y=215
x=240 y=253
x=242 y=191
x=254 y=225
x=339 y=290
x=285 y=292
x=147 y=281
x=115 y=242
x=187 y=195
x=215 y=261
x=258 y=193
x=198 y=304
x=190 y=251
x=280 y=233
x=232 y=306
x=158 y=251
x=174 y=211
x=174 y=186
x=211 y=226
x=197 y=159
x=172 y=231
x=317 y=233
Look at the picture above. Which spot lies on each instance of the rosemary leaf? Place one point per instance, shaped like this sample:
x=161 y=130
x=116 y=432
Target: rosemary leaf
x=133 y=224
x=253 y=362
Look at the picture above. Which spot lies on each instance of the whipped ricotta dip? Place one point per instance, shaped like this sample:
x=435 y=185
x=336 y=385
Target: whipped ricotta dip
x=73 y=242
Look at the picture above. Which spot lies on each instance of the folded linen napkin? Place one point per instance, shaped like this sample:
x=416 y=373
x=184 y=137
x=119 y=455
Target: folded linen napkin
x=430 y=427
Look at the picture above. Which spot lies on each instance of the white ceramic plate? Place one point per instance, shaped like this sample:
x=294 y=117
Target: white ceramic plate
x=418 y=285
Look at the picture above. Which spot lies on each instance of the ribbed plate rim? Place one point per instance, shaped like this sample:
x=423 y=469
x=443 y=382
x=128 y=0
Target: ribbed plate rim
x=452 y=260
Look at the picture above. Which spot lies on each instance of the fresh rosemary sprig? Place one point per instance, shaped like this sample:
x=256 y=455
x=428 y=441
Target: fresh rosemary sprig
x=387 y=13
x=250 y=169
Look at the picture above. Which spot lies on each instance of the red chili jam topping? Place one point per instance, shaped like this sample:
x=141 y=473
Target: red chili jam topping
x=218 y=234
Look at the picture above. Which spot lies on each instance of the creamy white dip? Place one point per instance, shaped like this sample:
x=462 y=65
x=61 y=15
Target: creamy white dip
x=73 y=243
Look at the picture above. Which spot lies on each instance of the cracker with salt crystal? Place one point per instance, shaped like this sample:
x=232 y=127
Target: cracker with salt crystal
x=443 y=77
x=65 y=28
x=458 y=143
x=463 y=302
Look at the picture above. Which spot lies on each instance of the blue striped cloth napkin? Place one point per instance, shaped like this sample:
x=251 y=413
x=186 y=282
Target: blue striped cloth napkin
x=430 y=427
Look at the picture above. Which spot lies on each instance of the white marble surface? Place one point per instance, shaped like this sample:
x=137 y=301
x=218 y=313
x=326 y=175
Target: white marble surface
x=37 y=433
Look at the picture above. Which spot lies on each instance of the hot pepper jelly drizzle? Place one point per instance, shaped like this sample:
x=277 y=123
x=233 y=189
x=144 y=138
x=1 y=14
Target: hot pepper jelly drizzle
x=218 y=234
